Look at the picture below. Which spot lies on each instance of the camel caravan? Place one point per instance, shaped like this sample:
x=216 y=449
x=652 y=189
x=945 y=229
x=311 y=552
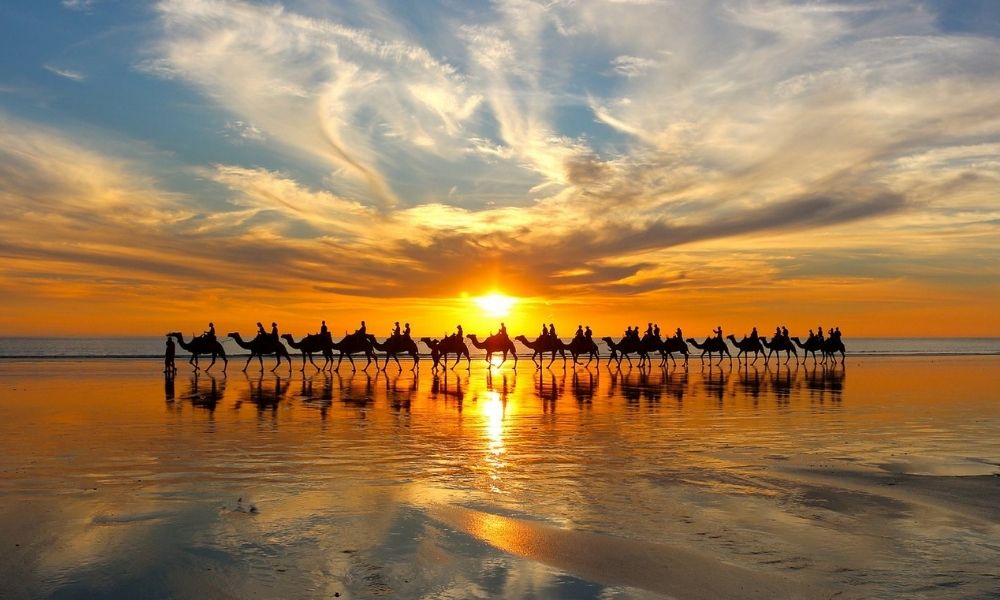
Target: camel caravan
x=645 y=346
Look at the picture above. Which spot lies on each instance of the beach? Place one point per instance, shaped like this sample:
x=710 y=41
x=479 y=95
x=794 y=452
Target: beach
x=876 y=478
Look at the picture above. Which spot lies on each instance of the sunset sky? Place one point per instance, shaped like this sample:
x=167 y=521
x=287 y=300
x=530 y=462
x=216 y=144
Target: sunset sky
x=613 y=162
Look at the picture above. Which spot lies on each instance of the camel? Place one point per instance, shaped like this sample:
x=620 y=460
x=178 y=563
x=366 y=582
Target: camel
x=746 y=346
x=581 y=345
x=711 y=346
x=812 y=346
x=671 y=345
x=435 y=352
x=542 y=345
x=777 y=344
x=631 y=346
x=451 y=344
x=261 y=345
x=393 y=347
x=831 y=346
x=311 y=344
x=353 y=344
x=495 y=343
x=199 y=345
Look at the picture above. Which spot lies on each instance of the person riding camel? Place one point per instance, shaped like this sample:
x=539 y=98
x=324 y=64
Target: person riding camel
x=274 y=331
x=649 y=329
x=406 y=331
x=819 y=334
x=361 y=331
x=753 y=334
x=678 y=334
x=503 y=330
x=323 y=330
x=209 y=335
x=260 y=331
x=395 y=331
x=656 y=330
x=545 y=331
x=587 y=333
x=579 y=331
x=628 y=332
x=718 y=332
x=459 y=335
x=552 y=331
x=784 y=332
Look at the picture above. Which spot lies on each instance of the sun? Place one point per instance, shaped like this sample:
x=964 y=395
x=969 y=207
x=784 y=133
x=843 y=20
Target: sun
x=495 y=304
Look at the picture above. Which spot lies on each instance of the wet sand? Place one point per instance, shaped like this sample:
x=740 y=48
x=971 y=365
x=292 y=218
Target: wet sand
x=876 y=479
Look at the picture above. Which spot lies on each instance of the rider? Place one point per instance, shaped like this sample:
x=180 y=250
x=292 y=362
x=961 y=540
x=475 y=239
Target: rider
x=819 y=334
x=363 y=330
x=545 y=331
x=503 y=330
x=656 y=330
x=579 y=331
x=587 y=333
x=274 y=331
x=323 y=329
x=209 y=335
x=678 y=334
x=628 y=332
x=459 y=329
x=395 y=330
x=406 y=331
x=260 y=330
x=552 y=330
x=718 y=332
x=649 y=329
x=784 y=332
x=753 y=334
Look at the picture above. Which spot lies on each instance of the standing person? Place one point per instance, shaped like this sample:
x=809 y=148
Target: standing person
x=168 y=359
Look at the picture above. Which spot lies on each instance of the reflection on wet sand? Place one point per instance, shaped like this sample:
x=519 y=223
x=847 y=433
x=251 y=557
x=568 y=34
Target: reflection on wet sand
x=583 y=483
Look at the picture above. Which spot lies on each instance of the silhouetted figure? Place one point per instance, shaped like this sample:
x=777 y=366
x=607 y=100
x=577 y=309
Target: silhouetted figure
x=406 y=331
x=552 y=331
x=168 y=359
x=718 y=332
x=323 y=330
x=812 y=336
x=209 y=334
x=819 y=334
x=753 y=335
x=459 y=335
x=579 y=331
x=395 y=330
x=503 y=330
x=545 y=331
x=649 y=329
x=656 y=330
x=587 y=333
x=678 y=334
x=260 y=330
x=777 y=332
x=628 y=332
x=363 y=330
x=784 y=332
x=274 y=333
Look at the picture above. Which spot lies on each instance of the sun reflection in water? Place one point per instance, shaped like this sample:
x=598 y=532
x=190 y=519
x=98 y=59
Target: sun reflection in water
x=493 y=414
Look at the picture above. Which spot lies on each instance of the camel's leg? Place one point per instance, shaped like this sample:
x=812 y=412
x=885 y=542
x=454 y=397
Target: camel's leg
x=398 y=364
x=468 y=361
x=339 y=360
x=350 y=357
x=247 y=363
x=209 y=367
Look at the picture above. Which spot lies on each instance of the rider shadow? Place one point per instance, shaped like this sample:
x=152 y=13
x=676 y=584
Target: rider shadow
x=264 y=393
x=204 y=391
x=584 y=387
x=315 y=394
x=441 y=387
x=822 y=380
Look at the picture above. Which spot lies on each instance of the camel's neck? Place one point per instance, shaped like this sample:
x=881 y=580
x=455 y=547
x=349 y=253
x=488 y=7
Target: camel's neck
x=182 y=343
x=240 y=342
x=477 y=343
x=295 y=345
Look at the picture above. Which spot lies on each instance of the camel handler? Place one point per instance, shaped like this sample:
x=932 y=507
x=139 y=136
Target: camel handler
x=168 y=359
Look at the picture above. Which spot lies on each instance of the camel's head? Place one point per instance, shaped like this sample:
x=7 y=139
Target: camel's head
x=286 y=336
x=233 y=334
x=607 y=340
x=175 y=334
x=691 y=341
x=471 y=336
x=430 y=343
x=520 y=338
x=731 y=337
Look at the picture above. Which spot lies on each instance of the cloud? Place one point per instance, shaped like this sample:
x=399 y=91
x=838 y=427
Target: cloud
x=67 y=73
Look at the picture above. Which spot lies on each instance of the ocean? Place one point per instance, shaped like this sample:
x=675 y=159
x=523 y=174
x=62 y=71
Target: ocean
x=152 y=347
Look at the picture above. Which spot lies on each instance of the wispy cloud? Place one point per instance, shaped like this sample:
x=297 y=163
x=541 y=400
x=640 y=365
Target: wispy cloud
x=67 y=73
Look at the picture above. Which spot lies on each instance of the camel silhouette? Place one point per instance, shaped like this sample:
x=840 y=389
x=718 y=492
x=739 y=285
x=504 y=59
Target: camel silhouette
x=310 y=345
x=811 y=346
x=435 y=353
x=627 y=346
x=198 y=346
x=450 y=345
x=779 y=344
x=746 y=346
x=832 y=346
x=711 y=346
x=671 y=345
x=393 y=347
x=355 y=343
x=582 y=345
x=261 y=345
x=495 y=343
x=544 y=344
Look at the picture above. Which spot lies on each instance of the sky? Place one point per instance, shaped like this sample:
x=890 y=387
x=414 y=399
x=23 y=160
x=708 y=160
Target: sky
x=738 y=163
